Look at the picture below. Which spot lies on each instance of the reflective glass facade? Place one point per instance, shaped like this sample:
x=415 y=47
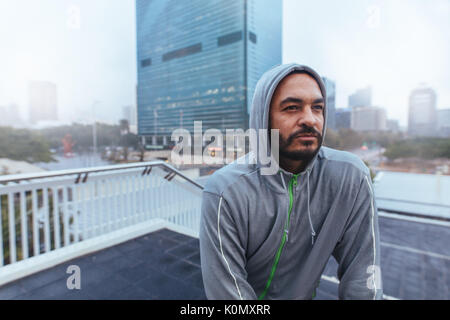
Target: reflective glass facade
x=330 y=87
x=199 y=60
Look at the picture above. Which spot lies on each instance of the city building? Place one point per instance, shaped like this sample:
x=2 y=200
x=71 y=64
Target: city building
x=422 y=112
x=330 y=86
x=200 y=61
x=443 y=122
x=129 y=114
x=392 y=125
x=42 y=97
x=343 y=118
x=368 y=119
x=10 y=116
x=361 y=98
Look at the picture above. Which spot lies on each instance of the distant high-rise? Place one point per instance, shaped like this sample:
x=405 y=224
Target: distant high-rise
x=42 y=97
x=443 y=122
x=330 y=86
x=361 y=98
x=368 y=119
x=10 y=116
x=422 y=112
x=200 y=60
x=343 y=118
x=129 y=113
x=392 y=125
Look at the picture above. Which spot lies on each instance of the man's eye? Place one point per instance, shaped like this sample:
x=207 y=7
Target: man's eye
x=319 y=107
x=291 y=108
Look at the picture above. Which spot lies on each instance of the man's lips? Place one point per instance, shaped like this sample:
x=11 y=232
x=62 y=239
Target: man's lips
x=306 y=137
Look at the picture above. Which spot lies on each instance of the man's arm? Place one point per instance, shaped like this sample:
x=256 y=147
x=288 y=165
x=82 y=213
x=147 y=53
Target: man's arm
x=222 y=253
x=358 y=252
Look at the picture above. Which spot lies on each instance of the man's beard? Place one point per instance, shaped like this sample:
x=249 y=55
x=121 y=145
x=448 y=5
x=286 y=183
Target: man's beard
x=300 y=155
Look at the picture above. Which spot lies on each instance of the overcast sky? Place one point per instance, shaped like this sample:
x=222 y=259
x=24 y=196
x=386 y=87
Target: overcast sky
x=391 y=45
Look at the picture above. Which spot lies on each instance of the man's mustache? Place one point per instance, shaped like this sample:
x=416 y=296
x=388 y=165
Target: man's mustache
x=304 y=130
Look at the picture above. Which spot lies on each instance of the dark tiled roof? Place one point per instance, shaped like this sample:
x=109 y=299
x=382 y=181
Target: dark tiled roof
x=160 y=265
x=415 y=264
x=415 y=261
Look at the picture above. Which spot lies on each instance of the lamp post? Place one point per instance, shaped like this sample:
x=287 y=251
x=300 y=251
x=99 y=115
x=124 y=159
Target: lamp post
x=94 y=128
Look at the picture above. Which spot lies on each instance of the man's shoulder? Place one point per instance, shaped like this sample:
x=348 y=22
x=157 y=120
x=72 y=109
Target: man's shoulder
x=344 y=161
x=236 y=172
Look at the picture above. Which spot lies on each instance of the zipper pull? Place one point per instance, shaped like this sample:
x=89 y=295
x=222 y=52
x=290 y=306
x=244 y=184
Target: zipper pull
x=295 y=179
x=286 y=231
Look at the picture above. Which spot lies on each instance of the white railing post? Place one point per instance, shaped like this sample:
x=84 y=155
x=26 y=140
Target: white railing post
x=133 y=208
x=100 y=208
x=83 y=198
x=75 y=205
x=1 y=233
x=92 y=217
x=115 y=211
x=34 y=212
x=108 y=198
x=46 y=220
x=24 y=224
x=56 y=230
x=66 y=217
x=12 y=228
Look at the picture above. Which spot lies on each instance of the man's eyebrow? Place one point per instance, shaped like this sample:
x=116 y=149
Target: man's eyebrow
x=299 y=101
x=319 y=100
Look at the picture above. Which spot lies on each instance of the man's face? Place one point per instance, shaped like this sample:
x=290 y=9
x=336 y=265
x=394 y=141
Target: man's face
x=296 y=110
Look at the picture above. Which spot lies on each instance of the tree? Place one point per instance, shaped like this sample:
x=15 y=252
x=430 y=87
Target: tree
x=24 y=145
x=423 y=148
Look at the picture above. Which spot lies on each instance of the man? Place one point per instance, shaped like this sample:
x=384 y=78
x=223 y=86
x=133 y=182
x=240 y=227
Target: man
x=269 y=236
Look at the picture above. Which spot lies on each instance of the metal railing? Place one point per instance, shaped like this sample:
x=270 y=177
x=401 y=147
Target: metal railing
x=46 y=211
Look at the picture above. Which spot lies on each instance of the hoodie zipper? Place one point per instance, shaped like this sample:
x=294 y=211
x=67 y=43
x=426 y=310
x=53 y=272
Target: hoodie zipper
x=292 y=182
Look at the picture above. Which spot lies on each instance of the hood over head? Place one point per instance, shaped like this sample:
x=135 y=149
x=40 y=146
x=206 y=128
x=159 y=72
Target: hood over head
x=275 y=176
x=259 y=115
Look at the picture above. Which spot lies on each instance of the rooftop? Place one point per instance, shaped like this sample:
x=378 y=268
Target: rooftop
x=153 y=253
x=421 y=194
x=415 y=264
x=161 y=265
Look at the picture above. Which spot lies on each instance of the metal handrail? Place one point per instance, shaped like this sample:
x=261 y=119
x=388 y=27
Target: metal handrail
x=414 y=215
x=414 y=202
x=86 y=171
x=173 y=172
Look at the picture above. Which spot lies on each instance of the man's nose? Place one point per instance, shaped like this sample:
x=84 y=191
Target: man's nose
x=307 y=118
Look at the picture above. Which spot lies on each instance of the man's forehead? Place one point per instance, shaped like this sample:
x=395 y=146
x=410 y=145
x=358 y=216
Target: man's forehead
x=299 y=84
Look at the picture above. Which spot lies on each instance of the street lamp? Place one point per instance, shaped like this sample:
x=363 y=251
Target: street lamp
x=94 y=128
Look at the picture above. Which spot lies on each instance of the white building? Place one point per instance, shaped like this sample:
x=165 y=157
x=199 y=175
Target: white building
x=422 y=112
x=42 y=97
x=368 y=119
x=130 y=113
x=10 y=116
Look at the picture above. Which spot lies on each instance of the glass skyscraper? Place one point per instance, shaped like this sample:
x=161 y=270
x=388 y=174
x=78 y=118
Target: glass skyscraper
x=330 y=87
x=199 y=60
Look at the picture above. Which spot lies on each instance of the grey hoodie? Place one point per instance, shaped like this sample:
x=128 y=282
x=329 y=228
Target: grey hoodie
x=270 y=236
